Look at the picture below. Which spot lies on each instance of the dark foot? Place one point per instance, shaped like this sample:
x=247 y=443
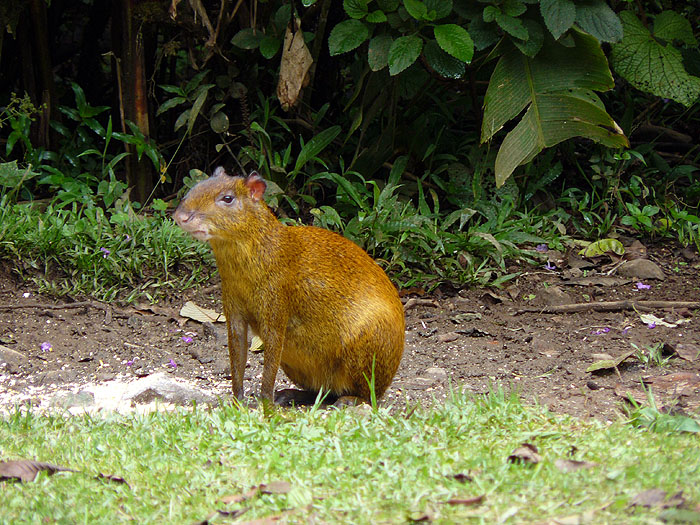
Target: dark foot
x=348 y=401
x=291 y=396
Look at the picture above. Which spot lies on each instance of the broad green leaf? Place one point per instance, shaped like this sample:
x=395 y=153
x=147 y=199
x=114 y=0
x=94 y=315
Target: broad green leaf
x=171 y=103
x=596 y=18
x=376 y=17
x=416 y=9
x=513 y=7
x=601 y=247
x=652 y=67
x=555 y=88
x=403 y=52
x=490 y=13
x=455 y=40
x=670 y=26
x=442 y=8
x=443 y=64
x=315 y=146
x=355 y=8
x=269 y=46
x=559 y=15
x=196 y=108
x=536 y=38
x=483 y=34
x=247 y=38
x=378 y=52
x=511 y=25
x=388 y=5
x=346 y=36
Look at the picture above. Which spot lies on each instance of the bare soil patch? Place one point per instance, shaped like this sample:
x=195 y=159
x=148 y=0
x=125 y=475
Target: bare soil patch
x=471 y=339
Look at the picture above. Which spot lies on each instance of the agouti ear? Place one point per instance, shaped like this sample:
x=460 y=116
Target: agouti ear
x=256 y=184
x=219 y=172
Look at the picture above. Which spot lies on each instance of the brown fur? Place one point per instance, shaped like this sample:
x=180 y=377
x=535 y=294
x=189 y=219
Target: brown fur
x=323 y=308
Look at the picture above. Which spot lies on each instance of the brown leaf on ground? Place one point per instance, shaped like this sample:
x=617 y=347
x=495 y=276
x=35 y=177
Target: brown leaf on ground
x=527 y=453
x=462 y=478
x=112 y=478
x=26 y=469
x=448 y=337
x=687 y=351
x=657 y=498
x=572 y=465
x=476 y=500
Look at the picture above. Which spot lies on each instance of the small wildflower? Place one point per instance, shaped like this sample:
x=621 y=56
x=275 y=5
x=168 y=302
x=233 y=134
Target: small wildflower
x=46 y=346
x=105 y=252
x=26 y=295
x=172 y=363
x=642 y=286
x=130 y=362
x=550 y=266
x=651 y=325
x=128 y=237
x=603 y=330
x=625 y=330
x=186 y=338
x=541 y=248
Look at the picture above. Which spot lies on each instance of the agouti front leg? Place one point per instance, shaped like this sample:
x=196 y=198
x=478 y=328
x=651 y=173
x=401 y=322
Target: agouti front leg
x=237 y=352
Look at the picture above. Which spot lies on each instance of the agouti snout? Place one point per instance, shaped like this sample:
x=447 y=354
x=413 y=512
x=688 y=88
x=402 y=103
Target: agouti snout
x=326 y=312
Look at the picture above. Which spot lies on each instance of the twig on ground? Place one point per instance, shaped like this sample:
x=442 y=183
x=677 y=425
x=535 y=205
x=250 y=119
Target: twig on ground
x=608 y=306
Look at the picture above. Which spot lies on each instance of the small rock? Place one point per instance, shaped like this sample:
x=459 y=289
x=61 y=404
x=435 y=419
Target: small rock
x=69 y=399
x=105 y=376
x=554 y=296
x=160 y=386
x=11 y=357
x=436 y=373
x=222 y=367
x=57 y=377
x=641 y=269
x=448 y=337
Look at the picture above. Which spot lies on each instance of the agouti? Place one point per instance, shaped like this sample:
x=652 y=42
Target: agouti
x=325 y=311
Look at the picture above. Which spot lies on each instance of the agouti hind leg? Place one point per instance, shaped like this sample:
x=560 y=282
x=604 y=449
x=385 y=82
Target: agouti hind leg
x=272 y=358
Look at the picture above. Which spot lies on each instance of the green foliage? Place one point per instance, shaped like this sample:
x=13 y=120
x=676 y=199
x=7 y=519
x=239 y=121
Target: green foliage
x=108 y=255
x=650 y=61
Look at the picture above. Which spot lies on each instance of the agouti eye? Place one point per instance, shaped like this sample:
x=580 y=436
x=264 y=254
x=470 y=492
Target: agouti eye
x=228 y=199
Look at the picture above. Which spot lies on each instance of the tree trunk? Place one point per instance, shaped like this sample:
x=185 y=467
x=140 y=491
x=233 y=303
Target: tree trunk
x=131 y=75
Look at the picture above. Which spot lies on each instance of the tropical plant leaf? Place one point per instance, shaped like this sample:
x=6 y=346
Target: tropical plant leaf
x=443 y=64
x=376 y=17
x=596 y=18
x=316 y=145
x=651 y=66
x=247 y=38
x=355 y=8
x=556 y=90
x=416 y=9
x=558 y=15
x=455 y=40
x=378 y=52
x=346 y=36
x=670 y=26
x=403 y=52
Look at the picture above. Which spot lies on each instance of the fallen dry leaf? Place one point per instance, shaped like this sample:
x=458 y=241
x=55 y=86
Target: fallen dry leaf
x=657 y=498
x=607 y=364
x=238 y=498
x=462 y=478
x=26 y=469
x=448 y=337
x=203 y=315
x=572 y=465
x=526 y=453
x=112 y=478
x=476 y=500
x=276 y=487
x=294 y=67
x=687 y=351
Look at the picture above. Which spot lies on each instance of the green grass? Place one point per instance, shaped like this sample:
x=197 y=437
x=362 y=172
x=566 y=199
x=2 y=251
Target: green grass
x=107 y=255
x=343 y=466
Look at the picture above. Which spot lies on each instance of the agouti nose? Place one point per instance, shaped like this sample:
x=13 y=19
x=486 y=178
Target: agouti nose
x=181 y=216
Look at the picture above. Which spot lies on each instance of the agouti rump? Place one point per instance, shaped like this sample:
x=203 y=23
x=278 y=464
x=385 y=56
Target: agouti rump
x=325 y=311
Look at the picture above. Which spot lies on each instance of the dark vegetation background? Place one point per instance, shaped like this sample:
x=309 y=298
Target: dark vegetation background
x=448 y=138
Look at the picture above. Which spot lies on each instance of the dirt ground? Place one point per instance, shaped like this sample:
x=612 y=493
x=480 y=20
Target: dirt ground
x=469 y=339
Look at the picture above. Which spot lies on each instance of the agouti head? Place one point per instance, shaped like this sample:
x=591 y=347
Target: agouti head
x=223 y=206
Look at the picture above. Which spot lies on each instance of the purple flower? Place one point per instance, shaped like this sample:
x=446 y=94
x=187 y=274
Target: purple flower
x=105 y=252
x=46 y=346
x=604 y=330
x=130 y=362
x=642 y=286
x=625 y=330
x=550 y=266
x=187 y=339
x=172 y=363
x=541 y=248
x=651 y=325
